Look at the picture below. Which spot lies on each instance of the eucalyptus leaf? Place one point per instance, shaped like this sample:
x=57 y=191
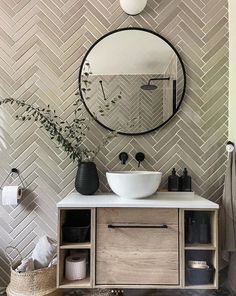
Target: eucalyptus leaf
x=68 y=136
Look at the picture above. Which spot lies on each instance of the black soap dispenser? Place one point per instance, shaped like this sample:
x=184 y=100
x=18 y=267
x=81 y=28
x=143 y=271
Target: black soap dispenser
x=173 y=181
x=185 y=182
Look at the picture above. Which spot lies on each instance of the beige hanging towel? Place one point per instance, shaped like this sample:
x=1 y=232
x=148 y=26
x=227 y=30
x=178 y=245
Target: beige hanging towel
x=228 y=222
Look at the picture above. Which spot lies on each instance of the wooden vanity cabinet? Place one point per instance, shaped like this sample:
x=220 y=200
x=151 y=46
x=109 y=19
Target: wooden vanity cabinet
x=137 y=246
x=140 y=247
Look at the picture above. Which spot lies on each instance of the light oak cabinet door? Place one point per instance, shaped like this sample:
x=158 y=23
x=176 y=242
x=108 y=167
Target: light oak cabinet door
x=137 y=246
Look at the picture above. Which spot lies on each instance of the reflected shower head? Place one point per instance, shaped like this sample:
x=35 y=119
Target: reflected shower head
x=150 y=86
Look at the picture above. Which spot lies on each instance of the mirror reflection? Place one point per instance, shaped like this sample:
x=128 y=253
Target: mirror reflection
x=132 y=81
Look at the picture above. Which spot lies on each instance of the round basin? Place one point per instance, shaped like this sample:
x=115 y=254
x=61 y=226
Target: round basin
x=134 y=184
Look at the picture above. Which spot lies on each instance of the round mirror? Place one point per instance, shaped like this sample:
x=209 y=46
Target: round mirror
x=132 y=81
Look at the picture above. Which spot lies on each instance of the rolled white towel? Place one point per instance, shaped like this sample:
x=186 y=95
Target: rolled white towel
x=27 y=264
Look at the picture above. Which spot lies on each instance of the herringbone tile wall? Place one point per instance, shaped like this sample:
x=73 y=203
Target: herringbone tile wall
x=42 y=44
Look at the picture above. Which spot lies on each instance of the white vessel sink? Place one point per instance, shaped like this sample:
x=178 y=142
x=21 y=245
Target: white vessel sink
x=134 y=184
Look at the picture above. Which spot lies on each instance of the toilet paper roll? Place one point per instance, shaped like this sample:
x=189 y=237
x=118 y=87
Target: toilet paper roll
x=11 y=194
x=83 y=253
x=75 y=268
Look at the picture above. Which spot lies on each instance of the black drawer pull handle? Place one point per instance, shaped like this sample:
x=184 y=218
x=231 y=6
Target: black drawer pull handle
x=137 y=226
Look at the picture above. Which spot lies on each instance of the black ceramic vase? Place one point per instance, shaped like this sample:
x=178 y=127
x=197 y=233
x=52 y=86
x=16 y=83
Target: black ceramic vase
x=86 y=181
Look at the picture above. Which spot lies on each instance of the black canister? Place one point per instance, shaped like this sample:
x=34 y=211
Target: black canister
x=185 y=182
x=192 y=233
x=197 y=227
x=173 y=181
x=204 y=229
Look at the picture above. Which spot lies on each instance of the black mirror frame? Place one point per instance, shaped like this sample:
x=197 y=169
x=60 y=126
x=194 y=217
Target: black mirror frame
x=130 y=29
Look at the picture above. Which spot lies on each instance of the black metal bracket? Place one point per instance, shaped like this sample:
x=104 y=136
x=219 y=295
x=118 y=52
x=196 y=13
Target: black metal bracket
x=13 y=171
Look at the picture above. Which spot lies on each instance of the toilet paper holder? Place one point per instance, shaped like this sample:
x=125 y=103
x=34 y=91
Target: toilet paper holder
x=13 y=171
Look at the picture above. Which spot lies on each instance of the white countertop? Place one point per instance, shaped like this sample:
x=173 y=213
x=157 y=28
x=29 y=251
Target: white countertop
x=181 y=200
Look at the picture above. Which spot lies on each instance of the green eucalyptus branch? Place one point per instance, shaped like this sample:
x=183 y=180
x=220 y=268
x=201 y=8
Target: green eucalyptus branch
x=69 y=136
x=49 y=121
x=85 y=84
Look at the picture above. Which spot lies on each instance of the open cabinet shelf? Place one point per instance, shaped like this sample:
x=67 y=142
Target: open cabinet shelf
x=65 y=246
x=199 y=247
x=85 y=283
x=65 y=283
x=66 y=249
x=201 y=287
x=196 y=251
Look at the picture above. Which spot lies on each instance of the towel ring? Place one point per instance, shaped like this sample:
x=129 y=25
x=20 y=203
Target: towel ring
x=230 y=146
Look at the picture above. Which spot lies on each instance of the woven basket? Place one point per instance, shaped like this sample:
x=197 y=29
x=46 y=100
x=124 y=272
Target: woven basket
x=41 y=282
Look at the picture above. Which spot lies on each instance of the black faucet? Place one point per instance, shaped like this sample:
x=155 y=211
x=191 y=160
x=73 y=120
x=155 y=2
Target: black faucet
x=123 y=156
x=139 y=157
